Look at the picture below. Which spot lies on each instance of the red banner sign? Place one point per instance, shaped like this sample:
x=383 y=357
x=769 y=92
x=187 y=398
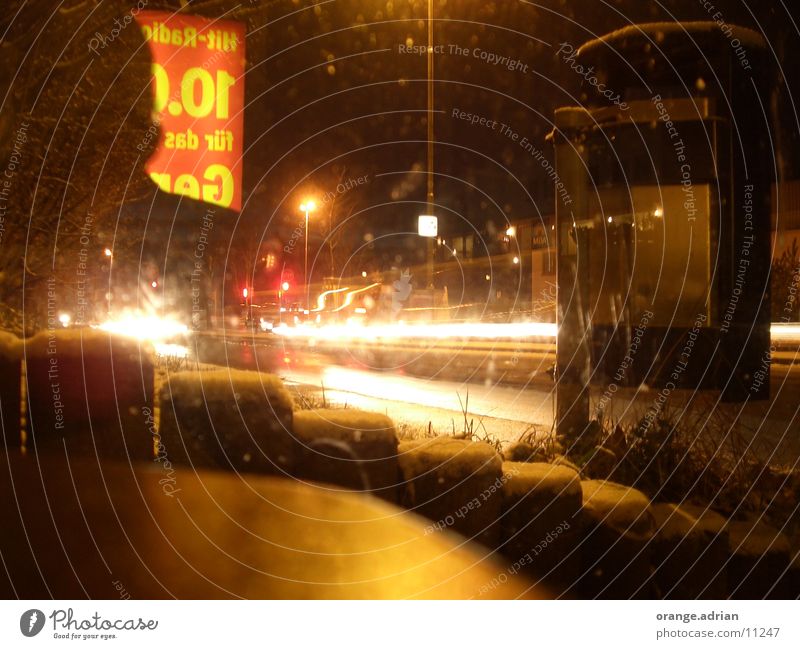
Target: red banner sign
x=198 y=83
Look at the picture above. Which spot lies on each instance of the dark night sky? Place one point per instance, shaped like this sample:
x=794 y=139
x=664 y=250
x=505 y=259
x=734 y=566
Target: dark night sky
x=357 y=100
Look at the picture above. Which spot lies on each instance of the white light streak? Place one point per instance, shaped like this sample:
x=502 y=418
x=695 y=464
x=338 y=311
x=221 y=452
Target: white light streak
x=145 y=327
x=435 y=331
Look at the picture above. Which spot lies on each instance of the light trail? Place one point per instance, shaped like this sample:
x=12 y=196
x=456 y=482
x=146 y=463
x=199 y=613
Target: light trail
x=789 y=332
x=149 y=328
x=321 y=298
x=438 y=331
x=348 y=300
x=784 y=333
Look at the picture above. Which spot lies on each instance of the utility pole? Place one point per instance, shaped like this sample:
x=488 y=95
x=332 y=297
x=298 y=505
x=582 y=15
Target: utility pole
x=430 y=141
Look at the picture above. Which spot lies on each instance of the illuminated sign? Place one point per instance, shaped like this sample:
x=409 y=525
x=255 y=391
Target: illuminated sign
x=428 y=226
x=198 y=84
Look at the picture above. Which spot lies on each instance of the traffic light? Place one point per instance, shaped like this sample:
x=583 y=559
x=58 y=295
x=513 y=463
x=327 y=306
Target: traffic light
x=245 y=293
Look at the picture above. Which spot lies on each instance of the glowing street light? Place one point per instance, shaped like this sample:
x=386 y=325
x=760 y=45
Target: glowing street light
x=110 y=254
x=307 y=206
x=511 y=231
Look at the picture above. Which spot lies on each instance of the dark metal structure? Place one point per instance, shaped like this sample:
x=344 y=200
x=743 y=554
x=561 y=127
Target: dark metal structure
x=663 y=230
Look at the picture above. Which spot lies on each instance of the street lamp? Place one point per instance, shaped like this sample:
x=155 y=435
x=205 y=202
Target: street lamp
x=431 y=135
x=248 y=304
x=110 y=254
x=307 y=206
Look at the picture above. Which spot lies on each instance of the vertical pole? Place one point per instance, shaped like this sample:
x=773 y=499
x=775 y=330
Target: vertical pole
x=573 y=345
x=110 y=278
x=305 y=266
x=430 y=142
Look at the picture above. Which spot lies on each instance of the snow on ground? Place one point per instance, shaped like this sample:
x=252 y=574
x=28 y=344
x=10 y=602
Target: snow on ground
x=10 y=346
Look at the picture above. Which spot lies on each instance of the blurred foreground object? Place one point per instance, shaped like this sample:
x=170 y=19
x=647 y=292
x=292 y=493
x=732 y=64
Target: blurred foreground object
x=73 y=528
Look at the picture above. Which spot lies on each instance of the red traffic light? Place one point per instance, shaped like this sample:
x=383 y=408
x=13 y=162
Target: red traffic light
x=245 y=293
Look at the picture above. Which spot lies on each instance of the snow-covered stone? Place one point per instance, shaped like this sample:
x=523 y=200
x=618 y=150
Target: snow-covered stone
x=562 y=460
x=523 y=452
x=539 y=524
x=349 y=448
x=10 y=353
x=614 y=551
x=689 y=552
x=455 y=483
x=228 y=419
x=10 y=346
x=89 y=391
x=600 y=463
x=759 y=557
